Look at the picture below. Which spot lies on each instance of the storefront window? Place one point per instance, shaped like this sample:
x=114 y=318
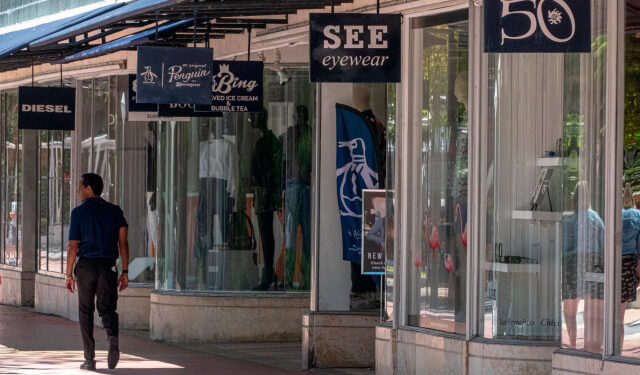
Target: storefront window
x=234 y=194
x=438 y=274
x=11 y=181
x=389 y=218
x=626 y=326
x=54 y=198
x=117 y=150
x=543 y=263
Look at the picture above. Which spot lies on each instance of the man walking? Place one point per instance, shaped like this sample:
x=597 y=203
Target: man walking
x=98 y=231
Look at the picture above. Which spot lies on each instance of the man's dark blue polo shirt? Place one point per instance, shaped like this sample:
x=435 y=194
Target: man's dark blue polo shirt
x=96 y=223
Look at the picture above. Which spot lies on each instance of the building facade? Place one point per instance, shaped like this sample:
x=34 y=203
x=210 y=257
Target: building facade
x=511 y=244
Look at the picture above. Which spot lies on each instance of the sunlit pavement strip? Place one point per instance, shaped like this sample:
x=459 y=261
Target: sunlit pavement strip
x=13 y=361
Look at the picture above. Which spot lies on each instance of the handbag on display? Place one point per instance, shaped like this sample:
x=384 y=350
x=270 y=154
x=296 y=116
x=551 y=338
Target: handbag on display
x=242 y=232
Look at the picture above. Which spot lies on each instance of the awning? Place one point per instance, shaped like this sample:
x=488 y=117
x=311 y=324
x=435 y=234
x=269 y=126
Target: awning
x=123 y=12
x=17 y=40
x=122 y=43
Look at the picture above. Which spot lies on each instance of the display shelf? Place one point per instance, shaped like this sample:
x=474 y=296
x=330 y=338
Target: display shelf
x=513 y=267
x=536 y=215
x=549 y=162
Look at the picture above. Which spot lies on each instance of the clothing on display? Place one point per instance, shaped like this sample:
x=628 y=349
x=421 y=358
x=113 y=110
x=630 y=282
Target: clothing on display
x=216 y=189
x=266 y=174
x=218 y=159
x=356 y=169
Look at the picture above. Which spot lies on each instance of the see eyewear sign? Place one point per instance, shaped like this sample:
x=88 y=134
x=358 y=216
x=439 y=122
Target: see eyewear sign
x=46 y=108
x=238 y=86
x=354 y=47
x=537 y=26
x=174 y=75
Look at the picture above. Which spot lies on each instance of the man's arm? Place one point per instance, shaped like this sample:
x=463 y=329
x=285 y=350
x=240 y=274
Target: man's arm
x=123 y=246
x=72 y=253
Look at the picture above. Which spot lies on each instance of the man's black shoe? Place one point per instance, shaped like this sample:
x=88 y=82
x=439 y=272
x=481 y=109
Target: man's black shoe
x=88 y=364
x=114 y=352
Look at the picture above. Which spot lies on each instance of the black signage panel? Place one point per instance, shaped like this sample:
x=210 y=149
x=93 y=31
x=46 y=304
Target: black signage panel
x=174 y=75
x=187 y=110
x=134 y=106
x=537 y=26
x=46 y=108
x=374 y=211
x=238 y=86
x=348 y=47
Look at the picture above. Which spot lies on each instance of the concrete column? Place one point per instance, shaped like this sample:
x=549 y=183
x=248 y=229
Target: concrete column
x=29 y=214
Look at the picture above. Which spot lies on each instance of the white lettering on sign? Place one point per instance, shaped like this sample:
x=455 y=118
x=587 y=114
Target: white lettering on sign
x=176 y=74
x=45 y=108
x=376 y=33
x=330 y=32
x=353 y=61
x=354 y=36
x=225 y=81
x=554 y=16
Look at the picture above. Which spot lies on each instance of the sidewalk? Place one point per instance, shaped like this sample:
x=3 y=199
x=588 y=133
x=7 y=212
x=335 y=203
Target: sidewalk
x=32 y=343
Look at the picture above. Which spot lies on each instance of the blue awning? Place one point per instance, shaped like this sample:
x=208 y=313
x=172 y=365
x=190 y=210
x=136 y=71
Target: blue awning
x=17 y=40
x=124 y=42
x=121 y=13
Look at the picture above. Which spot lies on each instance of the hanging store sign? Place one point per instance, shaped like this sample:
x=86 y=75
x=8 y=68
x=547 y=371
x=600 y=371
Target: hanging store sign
x=238 y=86
x=174 y=75
x=187 y=110
x=537 y=26
x=46 y=108
x=374 y=211
x=354 y=47
x=144 y=112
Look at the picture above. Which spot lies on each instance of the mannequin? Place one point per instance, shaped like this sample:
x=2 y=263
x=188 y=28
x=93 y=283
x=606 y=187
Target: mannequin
x=361 y=96
x=217 y=186
x=266 y=178
x=297 y=167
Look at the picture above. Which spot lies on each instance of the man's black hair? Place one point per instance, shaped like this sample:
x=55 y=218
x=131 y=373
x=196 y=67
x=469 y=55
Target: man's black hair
x=95 y=181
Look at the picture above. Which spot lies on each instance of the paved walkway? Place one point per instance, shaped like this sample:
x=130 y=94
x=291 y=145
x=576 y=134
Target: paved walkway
x=32 y=343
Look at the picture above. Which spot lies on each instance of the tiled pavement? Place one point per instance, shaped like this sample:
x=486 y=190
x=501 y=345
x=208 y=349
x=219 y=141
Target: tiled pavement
x=32 y=343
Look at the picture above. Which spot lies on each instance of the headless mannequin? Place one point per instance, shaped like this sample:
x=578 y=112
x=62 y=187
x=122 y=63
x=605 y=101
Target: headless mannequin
x=361 y=96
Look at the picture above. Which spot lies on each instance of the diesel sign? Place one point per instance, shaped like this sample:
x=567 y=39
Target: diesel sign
x=47 y=108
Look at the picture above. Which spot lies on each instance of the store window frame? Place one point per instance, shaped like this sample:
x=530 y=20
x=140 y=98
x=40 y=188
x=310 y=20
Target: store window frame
x=478 y=78
x=613 y=167
x=408 y=193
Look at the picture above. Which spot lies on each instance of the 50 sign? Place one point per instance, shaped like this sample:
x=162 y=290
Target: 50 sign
x=537 y=26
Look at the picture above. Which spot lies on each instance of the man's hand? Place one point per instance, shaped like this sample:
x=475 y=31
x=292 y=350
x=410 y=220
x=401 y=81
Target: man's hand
x=123 y=282
x=70 y=284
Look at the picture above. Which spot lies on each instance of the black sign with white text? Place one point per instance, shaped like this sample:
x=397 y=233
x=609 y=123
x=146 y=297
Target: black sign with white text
x=174 y=75
x=187 y=110
x=238 y=86
x=537 y=26
x=46 y=108
x=350 y=47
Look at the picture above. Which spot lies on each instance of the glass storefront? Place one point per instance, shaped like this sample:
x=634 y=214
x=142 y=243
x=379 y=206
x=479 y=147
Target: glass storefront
x=54 y=199
x=438 y=275
x=234 y=194
x=629 y=318
x=543 y=268
x=103 y=141
x=11 y=182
